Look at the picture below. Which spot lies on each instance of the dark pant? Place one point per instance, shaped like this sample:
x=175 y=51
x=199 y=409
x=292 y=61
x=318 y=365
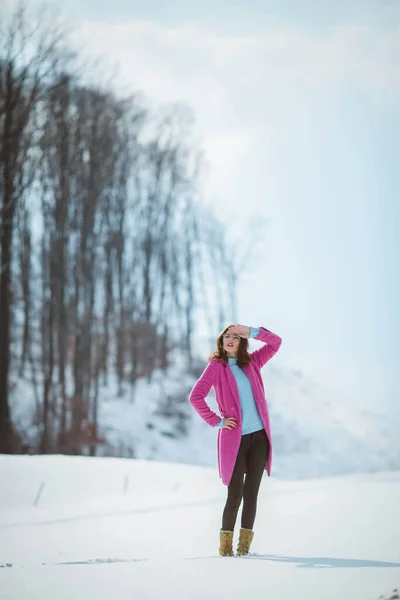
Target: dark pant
x=251 y=459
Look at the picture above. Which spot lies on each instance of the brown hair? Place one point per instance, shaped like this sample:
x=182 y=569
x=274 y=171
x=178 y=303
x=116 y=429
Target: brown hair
x=243 y=357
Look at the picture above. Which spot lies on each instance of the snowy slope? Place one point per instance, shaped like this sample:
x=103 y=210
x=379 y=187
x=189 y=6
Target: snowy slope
x=116 y=528
x=315 y=432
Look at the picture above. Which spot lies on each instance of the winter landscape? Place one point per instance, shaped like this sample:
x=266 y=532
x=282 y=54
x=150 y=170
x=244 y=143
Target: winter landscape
x=167 y=169
x=328 y=525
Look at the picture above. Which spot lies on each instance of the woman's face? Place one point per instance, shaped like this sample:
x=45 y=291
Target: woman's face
x=231 y=343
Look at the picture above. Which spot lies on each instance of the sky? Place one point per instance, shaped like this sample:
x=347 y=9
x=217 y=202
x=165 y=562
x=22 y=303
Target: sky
x=296 y=108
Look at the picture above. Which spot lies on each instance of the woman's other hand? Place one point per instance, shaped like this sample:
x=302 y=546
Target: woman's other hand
x=230 y=423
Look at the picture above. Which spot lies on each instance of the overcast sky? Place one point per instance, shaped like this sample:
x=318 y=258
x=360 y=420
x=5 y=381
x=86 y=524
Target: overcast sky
x=296 y=105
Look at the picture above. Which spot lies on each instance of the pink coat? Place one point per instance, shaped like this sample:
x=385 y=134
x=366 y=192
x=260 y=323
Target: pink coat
x=227 y=396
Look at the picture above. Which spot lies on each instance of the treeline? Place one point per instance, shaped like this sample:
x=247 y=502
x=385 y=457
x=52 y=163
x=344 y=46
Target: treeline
x=106 y=256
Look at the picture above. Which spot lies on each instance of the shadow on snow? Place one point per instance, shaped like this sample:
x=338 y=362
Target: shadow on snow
x=323 y=562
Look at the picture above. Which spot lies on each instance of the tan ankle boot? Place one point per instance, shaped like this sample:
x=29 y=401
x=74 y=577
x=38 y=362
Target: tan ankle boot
x=226 y=541
x=245 y=539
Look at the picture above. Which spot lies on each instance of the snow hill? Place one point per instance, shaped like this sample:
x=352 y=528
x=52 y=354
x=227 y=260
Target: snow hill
x=315 y=431
x=103 y=528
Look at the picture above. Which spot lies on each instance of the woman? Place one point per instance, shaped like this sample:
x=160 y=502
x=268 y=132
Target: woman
x=244 y=436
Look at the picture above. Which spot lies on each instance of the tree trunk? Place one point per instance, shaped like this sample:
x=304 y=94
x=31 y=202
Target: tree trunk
x=7 y=437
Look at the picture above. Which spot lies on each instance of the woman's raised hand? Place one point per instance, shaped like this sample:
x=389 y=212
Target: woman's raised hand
x=241 y=330
x=230 y=423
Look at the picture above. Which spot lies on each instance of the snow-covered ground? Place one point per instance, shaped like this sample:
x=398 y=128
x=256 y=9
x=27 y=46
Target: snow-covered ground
x=107 y=528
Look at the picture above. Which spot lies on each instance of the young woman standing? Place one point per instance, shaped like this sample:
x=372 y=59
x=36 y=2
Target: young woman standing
x=244 y=436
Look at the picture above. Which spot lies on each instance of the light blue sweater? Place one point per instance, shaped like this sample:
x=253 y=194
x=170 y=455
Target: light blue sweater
x=251 y=420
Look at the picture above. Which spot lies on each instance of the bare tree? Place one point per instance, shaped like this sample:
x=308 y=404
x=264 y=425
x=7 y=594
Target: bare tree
x=27 y=54
x=58 y=158
x=105 y=254
x=25 y=266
